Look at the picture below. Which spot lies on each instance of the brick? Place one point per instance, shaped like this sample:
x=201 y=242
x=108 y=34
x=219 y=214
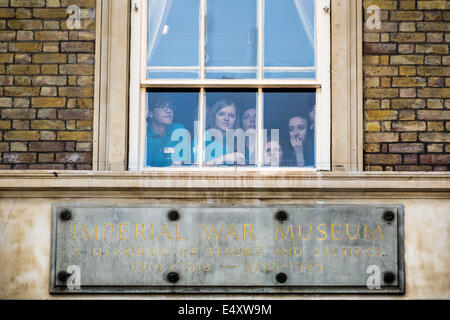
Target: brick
x=407 y=70
x=371 y=147
x=19 y=146
x=21 y=135
x=372 y=115
x=47 y=125
x=5 y=102
x=372 y=126
x=380 y=48
x=75 y=114
x=48 y=102
x=18 y=113
x=434 y=137
x=50 y=80
x=434 y=93
x=443 y=159
x=430 y=5
x=15 y=157
x=5 y=124
x=432 y=48
x=408 y=37
x=74 y=46
x=6 y=35
x=372 y=137
x=49 y=58
x=407 y=5
x=23 y=69
x=381 y=93
x=433 y=114
x=435 y=126
x=74 y=136
x=21 y=102
x=408 y=136
x=51 y=35
x=24 y=58
x=433 y=26
x=433 y=60
x=76 y=92
x=412 y=168
x=27 y=3
x=407 y=115
x=22 y=91
x=46 y=157
x=409 y=126
x=77 y=69
x=407 y=147
x=6 y=80
x=23 y=13
x=381 y=71
x=431 y=71
x=437 y=82
x=435 y=103
x=73 y=157
x=407 y=59
x=25 y=47
x=376 y=158
x=406 y=16
x=50 y=13
x=25 y=24
x=409 y=82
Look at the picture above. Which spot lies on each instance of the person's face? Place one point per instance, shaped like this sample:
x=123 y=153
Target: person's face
x=249 y=119
x=162 y=114
x=226 y=118
x=274 y=153
x=297 y=128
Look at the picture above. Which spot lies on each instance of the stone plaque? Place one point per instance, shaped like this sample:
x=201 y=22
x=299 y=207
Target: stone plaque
x=227 y=249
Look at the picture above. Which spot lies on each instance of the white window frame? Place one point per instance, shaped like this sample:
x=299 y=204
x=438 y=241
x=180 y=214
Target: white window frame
x=139 y=85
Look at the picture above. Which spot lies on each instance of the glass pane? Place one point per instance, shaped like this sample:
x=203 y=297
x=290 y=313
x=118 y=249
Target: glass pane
x=172 y=118
x=289 y=34
x=289 y=128
x=230 y=136
x=231 y=37
x=173 y=36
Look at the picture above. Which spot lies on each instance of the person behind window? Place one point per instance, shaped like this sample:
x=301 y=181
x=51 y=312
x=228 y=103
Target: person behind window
x=222 y=129
x=301 y=141
x=160 y=128
x=273 y=154
x=248 y=121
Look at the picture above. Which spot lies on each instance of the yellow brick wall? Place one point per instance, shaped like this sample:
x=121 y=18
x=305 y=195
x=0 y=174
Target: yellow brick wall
x=47 y=84
x=406 y=86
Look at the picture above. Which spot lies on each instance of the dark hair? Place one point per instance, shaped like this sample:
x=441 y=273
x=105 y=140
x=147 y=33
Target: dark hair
x=211 y=119
x=308 y=143
x=157 y=98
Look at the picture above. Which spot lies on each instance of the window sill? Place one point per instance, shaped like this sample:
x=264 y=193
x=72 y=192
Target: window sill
x=180 y=181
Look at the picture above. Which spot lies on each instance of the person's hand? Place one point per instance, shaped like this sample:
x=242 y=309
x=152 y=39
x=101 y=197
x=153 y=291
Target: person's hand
x=297 y=145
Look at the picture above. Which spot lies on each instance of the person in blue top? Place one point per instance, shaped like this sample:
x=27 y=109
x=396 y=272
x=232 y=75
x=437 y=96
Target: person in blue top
x=161 y=140
x=222 y=118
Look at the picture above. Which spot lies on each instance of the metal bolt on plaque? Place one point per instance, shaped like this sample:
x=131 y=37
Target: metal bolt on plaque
x=173 y=215
x=63 y=276
x=388 y=216
x=281 y=277
x=281 y=216
x=65 y=215
x=173 y=277
x=388 y=277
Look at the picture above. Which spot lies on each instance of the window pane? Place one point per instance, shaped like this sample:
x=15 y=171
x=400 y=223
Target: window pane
x=230 y=136
x=289 y=125
x=173 y=38
x=231 y=38
x=289 y=36
x=172 y=118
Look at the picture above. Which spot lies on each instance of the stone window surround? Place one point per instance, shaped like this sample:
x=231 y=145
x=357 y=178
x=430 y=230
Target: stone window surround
x=111 y=111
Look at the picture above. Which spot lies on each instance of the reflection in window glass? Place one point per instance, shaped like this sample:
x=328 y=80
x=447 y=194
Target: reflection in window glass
x=230 y=136
x=173 y=28
x=172 y=118
x=289 y=39
x=289 y=139
x=231 y=38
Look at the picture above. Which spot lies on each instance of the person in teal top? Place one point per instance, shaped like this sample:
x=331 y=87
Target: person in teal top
x=223 y=116
x=161 y=145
